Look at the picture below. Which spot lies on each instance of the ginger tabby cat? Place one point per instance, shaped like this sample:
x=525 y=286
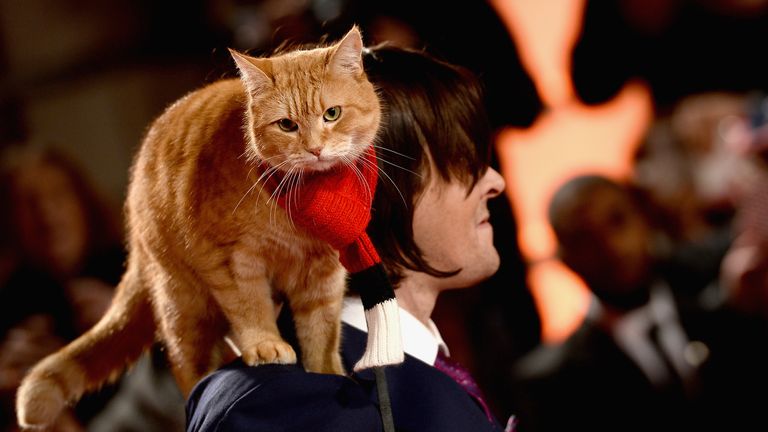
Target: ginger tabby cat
x=210 y=252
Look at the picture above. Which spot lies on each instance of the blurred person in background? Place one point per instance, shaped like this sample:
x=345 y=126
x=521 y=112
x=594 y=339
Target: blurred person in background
x=687 y=167
x=692 y=179
x=744 y=270
x=65 y=257
x=740 y=328
x=62 y=229
x=626 y=367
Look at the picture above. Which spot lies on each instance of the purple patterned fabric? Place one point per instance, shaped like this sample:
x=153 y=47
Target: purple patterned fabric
x=464 y=379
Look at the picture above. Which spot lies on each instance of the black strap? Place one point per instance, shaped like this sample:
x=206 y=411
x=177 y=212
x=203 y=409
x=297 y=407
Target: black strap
x=385 y=406
x=373 y=286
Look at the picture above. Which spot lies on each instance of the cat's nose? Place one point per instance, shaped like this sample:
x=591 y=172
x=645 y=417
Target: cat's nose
x=315 y=151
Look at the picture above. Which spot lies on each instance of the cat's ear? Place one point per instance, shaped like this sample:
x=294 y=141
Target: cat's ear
x=347 y=56
x=253 y=71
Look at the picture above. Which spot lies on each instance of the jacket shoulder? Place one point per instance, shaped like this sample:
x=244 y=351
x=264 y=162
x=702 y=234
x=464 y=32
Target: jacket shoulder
x=278 y=397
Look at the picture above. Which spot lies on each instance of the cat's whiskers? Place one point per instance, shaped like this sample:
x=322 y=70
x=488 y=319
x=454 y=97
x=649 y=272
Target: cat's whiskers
x=350 y=163
x=288 y=179
x=292 y=190
x=250 y=189
x=393 y=151
x=376 y=167
x=297 y=189
x=261 y=161
x=268 y=172
x=378 y=155
x=272 y=204
x=244 y=154
x=257 y=164
x=283 y=183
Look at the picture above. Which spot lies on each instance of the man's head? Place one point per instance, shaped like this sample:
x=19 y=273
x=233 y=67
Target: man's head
x=604 y=238
x=434 y=138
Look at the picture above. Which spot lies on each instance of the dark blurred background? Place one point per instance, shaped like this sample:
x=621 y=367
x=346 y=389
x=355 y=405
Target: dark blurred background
x=88 y=76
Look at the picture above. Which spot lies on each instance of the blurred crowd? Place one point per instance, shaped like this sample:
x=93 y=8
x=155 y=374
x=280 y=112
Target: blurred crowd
x=674 y=257
x=60 y=259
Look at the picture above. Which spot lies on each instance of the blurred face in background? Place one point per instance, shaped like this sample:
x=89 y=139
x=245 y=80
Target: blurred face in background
x=50 y=217
x=608 y=245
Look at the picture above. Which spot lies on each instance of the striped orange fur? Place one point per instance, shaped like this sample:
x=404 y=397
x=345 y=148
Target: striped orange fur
x=210 y=252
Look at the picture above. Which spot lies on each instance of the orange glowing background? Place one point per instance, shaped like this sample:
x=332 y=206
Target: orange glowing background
x=568 y=138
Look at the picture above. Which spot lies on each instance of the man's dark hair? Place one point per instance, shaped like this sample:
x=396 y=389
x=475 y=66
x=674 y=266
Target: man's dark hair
x=433 y=112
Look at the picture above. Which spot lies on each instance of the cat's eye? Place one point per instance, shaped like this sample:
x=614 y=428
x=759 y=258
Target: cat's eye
x=332 y=113
x=287 y=125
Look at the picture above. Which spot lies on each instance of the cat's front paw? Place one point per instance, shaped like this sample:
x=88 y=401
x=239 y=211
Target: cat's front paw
x=269 y=351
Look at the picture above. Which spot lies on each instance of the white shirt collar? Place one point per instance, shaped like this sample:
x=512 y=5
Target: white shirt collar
x=419 y=340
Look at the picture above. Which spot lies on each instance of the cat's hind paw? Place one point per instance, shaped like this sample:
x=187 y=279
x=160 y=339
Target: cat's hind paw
x=269 y=351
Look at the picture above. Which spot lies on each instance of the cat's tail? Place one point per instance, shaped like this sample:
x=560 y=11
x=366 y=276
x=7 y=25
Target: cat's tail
x=91 y=360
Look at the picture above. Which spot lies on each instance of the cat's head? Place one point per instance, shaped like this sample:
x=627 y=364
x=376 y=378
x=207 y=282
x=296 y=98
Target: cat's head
x=310 y=109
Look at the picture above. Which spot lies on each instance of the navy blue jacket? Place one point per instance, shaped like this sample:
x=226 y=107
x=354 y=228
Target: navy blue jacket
x=285 y=398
